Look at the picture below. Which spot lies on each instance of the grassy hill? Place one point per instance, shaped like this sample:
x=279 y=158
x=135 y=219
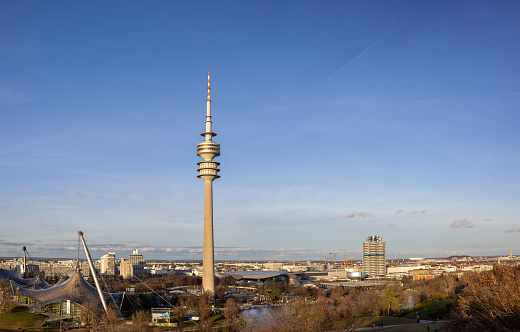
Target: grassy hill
x=430 y=309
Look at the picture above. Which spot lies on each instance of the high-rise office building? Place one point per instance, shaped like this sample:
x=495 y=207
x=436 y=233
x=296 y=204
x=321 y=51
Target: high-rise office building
x=374 y=260
x=137 y=261
x=208 y=170
x=133 y=265
x=108 y=263
x=126 y=269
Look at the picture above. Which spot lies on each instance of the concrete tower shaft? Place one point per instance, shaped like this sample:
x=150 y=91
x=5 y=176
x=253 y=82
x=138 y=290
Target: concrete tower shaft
x=208 y=171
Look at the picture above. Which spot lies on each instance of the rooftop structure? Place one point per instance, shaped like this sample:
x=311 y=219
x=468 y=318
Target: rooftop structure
x=29 y=283
x=75 y=289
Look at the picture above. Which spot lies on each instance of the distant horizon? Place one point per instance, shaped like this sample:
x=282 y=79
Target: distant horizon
x=267 y=260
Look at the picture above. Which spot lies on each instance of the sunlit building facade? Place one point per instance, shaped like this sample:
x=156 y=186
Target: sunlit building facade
x=374 y=260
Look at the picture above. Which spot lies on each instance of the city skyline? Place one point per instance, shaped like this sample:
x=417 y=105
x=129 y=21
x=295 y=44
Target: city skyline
x=338 y=120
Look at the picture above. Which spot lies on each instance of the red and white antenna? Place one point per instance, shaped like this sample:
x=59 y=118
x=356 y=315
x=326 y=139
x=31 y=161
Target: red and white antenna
x=209 y=88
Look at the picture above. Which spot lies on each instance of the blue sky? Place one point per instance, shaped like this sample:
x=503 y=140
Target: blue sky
x=337 y=120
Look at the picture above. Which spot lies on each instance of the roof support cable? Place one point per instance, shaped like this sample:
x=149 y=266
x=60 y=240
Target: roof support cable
x=110 y=293
x=154 y=292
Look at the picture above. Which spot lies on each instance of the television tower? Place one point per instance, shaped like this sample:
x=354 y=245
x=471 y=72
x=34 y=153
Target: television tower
x=208 y=170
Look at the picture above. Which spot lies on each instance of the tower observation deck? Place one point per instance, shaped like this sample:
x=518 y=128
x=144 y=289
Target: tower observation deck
x=208 y=171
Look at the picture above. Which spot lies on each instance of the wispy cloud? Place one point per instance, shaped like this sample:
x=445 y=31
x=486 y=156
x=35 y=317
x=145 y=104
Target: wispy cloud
x=462 y=223
x=411 y=212
x=391 y=225
x=479 y=245
x=513 y=230
x=355 y=214
x=12 y=244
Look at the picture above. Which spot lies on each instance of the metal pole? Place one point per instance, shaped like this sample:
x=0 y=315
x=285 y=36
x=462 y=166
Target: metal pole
x=93 y=271
x=24 y=274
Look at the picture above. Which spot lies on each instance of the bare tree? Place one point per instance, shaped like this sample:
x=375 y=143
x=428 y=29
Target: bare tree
x=367 y=302
x=185 y=303
x=204 y=311
x=7 y=293
x=231 y=311
x=302 y=316
x=448 y=283
x=111 y=317
x=89 y=314
x=490 y=301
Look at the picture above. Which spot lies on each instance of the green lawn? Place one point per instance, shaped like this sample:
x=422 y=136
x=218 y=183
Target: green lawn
x=19 y=316
x=429 y=309
x=386 y=320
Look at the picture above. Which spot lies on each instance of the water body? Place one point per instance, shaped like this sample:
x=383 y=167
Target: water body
x=411 y=303
x=257 y=314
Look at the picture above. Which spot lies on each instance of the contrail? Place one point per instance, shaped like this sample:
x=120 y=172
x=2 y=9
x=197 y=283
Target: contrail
x=349 y=61
x=356 y=56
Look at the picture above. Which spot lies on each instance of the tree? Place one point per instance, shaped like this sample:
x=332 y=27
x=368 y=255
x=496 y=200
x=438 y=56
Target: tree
x=390 y=301
x=89 y=314
x=204 y=311
x=489 y=302
x=111 y=316
x=140 y=321
x=231 y=311
x=302 y=316
x=337 y=293
x=367 y=302
x=7 y=293
x=448 y=283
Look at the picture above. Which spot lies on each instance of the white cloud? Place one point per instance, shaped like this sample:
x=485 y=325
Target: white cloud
x=412 y=212
x=356 y=214
x=462 y=223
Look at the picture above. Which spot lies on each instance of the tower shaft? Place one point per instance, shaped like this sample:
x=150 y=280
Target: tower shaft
x=208 y=256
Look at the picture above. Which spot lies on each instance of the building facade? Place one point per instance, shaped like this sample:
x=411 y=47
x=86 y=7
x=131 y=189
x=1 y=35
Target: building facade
x=108 y=264
x=126 y=269
x=374 y=260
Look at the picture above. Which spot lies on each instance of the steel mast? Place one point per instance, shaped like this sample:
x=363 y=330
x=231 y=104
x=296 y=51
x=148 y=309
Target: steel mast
x=93 y=271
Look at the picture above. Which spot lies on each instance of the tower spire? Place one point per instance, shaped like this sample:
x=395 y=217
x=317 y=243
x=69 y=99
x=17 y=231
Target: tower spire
x=208 y=134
